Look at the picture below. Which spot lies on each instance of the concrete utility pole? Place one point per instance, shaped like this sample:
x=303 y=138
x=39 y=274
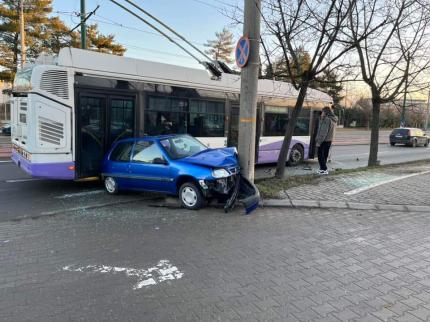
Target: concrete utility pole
x=426 y=125
x=248 y=90
x=83 y=26
x=22 y=33
x=403 y=116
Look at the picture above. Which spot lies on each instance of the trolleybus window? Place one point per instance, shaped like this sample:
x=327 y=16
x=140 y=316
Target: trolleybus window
x=206 y=118
x=121 y=119
x=166 y=115
x=275 y=124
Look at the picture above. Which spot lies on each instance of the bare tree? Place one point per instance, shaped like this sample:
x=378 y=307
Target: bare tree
x=391 y=59
x=317 y=27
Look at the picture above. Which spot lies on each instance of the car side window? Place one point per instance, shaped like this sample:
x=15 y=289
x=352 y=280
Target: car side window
x=146 y=152
x=122 y=152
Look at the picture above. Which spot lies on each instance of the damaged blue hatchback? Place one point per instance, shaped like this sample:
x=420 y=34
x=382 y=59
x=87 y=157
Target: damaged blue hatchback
x=178 y=165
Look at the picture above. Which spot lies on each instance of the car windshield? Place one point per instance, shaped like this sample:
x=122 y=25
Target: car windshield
x=401 y=131
x=182 y=146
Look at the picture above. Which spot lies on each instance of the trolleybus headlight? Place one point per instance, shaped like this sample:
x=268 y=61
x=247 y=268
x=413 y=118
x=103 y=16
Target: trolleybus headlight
x=220 y=173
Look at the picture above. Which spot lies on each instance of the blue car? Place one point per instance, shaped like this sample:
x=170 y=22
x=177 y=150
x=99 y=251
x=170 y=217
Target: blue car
x=178 y=165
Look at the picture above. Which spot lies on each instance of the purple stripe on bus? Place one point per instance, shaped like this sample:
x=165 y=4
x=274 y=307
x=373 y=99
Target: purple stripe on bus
x=269 y=153
x=45 y=170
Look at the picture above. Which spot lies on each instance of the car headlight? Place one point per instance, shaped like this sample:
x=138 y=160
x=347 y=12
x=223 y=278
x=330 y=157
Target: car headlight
x=220 y=173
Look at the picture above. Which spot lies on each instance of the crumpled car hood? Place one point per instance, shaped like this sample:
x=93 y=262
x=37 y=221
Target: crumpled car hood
x=214 y=158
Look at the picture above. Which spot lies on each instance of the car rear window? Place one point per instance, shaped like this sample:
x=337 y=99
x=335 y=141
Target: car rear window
x=400 y=131
x=122 y=152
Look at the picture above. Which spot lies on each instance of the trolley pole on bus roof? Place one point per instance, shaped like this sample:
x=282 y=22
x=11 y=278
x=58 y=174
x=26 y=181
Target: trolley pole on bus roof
x=83 y=26
x=248 y=58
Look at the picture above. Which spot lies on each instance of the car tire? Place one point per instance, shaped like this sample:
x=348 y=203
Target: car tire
x=392 y=143
x=190 y=196
x=111 y=185
x=297 y=155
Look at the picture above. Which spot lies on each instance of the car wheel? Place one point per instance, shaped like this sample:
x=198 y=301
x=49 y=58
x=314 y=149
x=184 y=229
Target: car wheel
x=297 y=155
x=392 y=143
x=111 y=185
x=190 y=196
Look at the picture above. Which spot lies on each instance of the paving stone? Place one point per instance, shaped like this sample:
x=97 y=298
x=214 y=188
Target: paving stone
x=421 y=313
x=277 y=203
x=305 y=203
x=391 y=207
x=333 y=204
x=412 y=208
x=361 y=206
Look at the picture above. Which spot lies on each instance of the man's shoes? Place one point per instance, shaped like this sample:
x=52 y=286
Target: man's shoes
x=322 y=172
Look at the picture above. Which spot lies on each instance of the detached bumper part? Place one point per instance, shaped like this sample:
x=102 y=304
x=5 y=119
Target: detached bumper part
x=246 y=193
x=222 y=186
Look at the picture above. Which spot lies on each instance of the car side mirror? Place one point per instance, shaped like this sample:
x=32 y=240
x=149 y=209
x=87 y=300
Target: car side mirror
x=159 y=161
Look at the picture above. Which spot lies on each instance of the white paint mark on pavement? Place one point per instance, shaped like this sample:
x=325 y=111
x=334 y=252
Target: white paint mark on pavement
x=7 y=161
x=22 y=180
x=80 y=194
x=163 y=271
x=377 y=184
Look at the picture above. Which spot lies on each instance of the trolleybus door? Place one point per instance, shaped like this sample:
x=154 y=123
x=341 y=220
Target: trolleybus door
x=101 y=121
x=90 y=134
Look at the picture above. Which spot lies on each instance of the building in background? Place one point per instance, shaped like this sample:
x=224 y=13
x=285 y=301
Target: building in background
x=5 y=89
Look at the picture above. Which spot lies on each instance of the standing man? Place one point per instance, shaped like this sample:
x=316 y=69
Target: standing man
x=324 y=137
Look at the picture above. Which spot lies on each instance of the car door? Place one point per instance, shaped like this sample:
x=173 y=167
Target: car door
x=149 y=168
x=119 y=163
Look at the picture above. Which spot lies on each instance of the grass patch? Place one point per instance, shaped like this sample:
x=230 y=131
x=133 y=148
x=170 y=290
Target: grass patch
x=270 y=188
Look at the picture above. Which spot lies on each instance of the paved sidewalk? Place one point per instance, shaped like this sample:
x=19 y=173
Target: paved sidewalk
x=275 y=265
x=401 y=188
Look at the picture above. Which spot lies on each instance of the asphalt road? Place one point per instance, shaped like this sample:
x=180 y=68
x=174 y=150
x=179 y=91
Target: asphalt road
x=22 y=196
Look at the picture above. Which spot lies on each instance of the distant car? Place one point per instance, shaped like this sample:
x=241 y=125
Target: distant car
x=5 y=128
x=409 y=136
x=177 y=165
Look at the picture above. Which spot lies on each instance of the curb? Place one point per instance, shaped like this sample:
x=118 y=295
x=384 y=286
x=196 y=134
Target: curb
x=325 y=204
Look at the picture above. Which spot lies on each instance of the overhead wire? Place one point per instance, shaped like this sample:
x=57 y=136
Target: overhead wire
x=168 y=28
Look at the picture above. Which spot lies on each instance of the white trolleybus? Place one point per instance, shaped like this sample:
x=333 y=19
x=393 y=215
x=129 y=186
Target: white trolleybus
x=69 y=109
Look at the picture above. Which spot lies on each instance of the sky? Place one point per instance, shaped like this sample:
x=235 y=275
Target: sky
x=196 y=20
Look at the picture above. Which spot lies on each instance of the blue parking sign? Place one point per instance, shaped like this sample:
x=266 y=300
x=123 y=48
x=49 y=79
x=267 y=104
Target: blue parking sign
x=242 y=52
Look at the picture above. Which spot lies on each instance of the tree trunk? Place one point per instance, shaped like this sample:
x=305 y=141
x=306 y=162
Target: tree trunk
x=282 y=160
x=15 y=53
x=374 y=136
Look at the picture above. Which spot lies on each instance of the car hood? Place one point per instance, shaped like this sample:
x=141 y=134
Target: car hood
x=214 y=158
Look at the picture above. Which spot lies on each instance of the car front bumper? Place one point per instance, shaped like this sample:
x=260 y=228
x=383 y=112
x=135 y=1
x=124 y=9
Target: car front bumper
x=235 y=188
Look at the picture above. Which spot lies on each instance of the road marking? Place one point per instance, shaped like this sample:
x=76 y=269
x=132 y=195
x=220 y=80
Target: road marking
x=8 y=161
x=21 y=180
x=163 y=271
x=79 y=194
x=377 y=184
